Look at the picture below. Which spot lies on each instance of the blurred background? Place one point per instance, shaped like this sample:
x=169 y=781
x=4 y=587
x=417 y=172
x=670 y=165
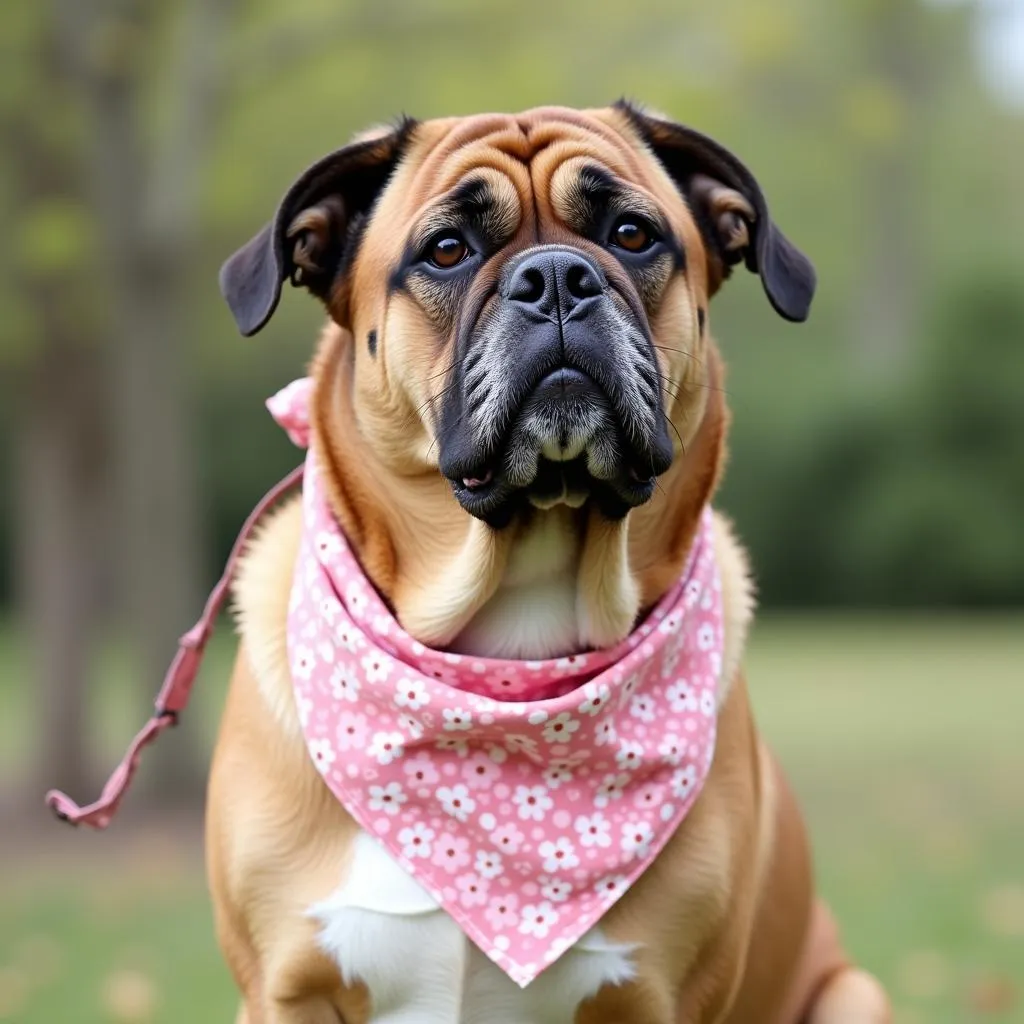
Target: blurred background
x=877 y=471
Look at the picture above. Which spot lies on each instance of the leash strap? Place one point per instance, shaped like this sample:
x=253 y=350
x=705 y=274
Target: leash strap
x=177 y=686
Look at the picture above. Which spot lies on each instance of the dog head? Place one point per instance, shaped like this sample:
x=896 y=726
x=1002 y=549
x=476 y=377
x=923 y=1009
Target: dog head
x=519 y=321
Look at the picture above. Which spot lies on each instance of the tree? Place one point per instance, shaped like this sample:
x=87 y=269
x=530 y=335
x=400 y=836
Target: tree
x=54 y=382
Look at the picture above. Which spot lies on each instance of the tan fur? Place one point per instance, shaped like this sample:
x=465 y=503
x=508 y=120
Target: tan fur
x=737 y=600
x=261 y=590
x=755 y=948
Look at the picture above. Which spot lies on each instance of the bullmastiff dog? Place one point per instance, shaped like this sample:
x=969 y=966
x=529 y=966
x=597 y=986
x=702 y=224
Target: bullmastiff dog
x=516 y=423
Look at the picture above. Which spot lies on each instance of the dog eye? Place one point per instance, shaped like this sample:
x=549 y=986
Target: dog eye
x=447 y=250
x=632 y=234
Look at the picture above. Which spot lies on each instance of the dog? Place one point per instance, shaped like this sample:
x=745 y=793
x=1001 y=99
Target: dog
x=517 y=420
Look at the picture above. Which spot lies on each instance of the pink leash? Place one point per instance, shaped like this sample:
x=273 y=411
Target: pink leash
x=178 y=682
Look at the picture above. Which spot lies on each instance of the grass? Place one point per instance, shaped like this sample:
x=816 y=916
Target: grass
x=903 y=738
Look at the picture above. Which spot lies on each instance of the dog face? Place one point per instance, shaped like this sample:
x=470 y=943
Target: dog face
x=531 y=292
x=520 y=307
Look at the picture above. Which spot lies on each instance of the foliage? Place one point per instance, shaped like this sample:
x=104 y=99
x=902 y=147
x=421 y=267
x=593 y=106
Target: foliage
x=910 y=495
x=880 y=151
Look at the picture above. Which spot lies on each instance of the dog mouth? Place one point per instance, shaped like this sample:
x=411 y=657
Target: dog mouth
x=565 y=445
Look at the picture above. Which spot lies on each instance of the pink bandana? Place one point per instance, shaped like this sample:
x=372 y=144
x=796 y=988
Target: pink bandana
x=524 y=796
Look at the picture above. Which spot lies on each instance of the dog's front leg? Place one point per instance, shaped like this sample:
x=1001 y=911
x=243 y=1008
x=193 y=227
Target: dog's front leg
x=385 y=932
x=414 y=967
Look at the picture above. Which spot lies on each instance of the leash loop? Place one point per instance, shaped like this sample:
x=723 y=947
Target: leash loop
x=178 y=682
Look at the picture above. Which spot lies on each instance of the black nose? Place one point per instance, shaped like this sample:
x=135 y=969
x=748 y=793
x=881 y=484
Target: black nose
x=555 y=282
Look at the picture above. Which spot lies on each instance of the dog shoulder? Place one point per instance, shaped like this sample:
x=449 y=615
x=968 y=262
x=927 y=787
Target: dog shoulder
x=261 y=592
x=738 y=599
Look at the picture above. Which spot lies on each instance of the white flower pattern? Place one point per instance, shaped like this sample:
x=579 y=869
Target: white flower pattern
x=593 y=829
x=537 y=919
x=596 y=697
x=637 y=837
x=456 y=801
x=385 y=747
x=411 y=694
x=560 y=728
x=388 y=799
x=322 y=752
x=457 y=719
x=558 y=854
x=533 y=802
x=417 y=840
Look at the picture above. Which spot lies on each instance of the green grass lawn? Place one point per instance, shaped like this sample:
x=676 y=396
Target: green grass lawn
x=904 y=738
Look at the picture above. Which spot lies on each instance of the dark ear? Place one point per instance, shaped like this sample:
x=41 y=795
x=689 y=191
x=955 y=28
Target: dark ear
x=730 y=210
x=315 y=227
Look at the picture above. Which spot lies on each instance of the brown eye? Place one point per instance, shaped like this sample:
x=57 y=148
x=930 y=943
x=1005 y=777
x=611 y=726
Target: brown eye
x=448 y=250
x=632 y=234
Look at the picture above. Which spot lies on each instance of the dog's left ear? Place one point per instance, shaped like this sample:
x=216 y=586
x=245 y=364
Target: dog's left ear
x=730 y=210
x=310 y=239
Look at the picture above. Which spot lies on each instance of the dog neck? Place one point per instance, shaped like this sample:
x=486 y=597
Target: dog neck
x=535 y=611
x=532 y=613
x=555 y=583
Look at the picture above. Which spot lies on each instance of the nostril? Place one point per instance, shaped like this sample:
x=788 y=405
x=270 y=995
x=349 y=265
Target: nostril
x=528 y=286
x=582 y=282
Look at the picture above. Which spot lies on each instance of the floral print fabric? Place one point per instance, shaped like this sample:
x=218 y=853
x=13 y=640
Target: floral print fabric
x=524 y=796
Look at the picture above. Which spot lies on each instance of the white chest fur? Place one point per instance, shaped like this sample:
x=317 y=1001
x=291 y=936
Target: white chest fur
x=383 y=929
x=533 y=613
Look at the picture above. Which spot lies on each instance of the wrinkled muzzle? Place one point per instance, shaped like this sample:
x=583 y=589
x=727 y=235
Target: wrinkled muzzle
x=556 y=395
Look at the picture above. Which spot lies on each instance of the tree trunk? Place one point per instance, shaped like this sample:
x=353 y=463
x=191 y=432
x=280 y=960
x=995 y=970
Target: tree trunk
x=157 y=502
x=59 y=459
x=147 y=200
x=58 y=496
x=887 y=302
x=158 y=545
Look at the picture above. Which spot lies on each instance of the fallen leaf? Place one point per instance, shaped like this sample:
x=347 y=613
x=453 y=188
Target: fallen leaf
x=129 y=996
x=992 y=994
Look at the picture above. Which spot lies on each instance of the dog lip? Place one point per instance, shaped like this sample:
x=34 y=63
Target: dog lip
x=478 y=483
x=494 y=502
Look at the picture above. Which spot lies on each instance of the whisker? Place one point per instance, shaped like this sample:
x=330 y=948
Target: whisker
x=441 y=373
x=679 y=385
x=451 y=427
x=669 y=421
x=679 y=351
x=430 y=401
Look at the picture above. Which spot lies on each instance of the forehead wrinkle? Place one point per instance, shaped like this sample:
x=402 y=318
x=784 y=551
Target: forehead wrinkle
x=546 y=167
x=467 y=134
x=527 y=148
x=479 y=157
x=595 y=135
x=544 y=120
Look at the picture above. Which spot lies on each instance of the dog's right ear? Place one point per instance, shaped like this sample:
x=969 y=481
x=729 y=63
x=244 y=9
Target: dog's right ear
x=316 y=226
